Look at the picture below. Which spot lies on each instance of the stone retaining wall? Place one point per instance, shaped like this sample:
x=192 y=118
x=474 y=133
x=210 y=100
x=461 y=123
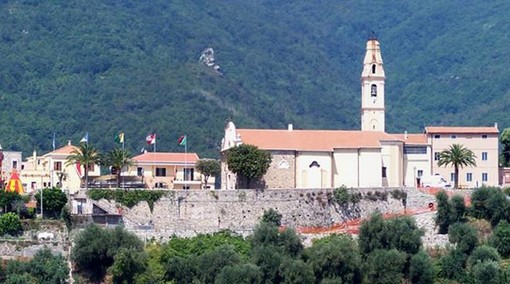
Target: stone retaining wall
x=187 y=213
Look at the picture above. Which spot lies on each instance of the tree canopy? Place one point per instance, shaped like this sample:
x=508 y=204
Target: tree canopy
x=457 y=156
x=248 y=161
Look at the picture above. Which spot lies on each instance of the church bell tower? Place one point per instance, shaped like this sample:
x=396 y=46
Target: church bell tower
x=372 y=88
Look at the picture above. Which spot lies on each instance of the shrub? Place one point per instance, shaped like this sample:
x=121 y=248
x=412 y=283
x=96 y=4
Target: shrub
x=10 y=224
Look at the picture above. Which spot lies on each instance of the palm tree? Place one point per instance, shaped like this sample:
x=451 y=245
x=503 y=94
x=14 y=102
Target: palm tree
x=457 y=156
x=117 y=159
x=85 y=155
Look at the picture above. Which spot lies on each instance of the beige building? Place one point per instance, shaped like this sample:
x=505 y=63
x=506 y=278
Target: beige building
x=366 y=158
x=483 y=141
x=168 y=170
x=51 y=170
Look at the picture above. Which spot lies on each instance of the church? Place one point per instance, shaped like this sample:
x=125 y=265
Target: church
x=369 y=157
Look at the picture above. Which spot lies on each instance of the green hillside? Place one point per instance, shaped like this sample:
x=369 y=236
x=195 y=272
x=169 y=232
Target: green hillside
x=102 y=67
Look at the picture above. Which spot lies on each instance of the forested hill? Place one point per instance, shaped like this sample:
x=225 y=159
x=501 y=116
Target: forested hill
x=102 y=67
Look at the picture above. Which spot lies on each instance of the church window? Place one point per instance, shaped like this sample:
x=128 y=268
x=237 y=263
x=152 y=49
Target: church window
x=373 y=90
x=314 y=164
x=373 y=69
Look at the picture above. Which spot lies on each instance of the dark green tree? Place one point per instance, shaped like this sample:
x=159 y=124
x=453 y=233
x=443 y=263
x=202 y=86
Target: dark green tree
x=10 y=224
x=117 y=159
x=85 y=155
x=451 y=266
x=210 y=264
x=458 y=156
x=247 y=273
x=385 y=266
x=268 y=259
x=248 y=161
x=458 y=209
x=421 y=270
x=54 y=199
x=483 y=253
x=8 y=199
x=464 y=236
x=443 y=214
x=487 y=272
x=208 y=168
x=500 y=238
x=44 y=268
x=335 y=257
x=95 y=248
x=128 y=263
x=295 y=271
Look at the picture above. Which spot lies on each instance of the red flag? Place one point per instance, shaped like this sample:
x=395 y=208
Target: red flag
x=151 y=139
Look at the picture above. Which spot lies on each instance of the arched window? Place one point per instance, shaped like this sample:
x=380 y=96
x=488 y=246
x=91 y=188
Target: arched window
x=373 y=90
x=373 y=68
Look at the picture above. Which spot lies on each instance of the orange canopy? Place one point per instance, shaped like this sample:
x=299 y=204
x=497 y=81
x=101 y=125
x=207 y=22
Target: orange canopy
x=14 y=184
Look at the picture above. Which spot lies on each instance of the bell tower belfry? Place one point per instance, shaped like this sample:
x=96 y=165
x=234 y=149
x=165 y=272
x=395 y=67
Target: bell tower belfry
x=372 y=88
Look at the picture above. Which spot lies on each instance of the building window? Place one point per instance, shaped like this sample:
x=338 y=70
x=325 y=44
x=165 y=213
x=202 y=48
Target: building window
x=139 y=171
x=469 y=177
x=384 y=174
x=90 y=167
x=437 y=155
x=189 y=174
x=484 y=156
x=373 y=68
x=452 y=177
x=437 y=136
x=161 y=172
x=485 y=176
x=420 y=173
x=484 y=136
x=57 y=166
x=415 y=150
x=453 y=136
x=14 y=164
x=373 y=90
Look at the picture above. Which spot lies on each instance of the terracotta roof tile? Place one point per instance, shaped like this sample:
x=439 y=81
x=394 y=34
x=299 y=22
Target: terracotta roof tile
x=166 y=158
x=414 y=139
x=460 y=130
x=313 y=140
x=66 y=150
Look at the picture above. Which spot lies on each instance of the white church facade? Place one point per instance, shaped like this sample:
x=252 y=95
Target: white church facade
x=369 y=157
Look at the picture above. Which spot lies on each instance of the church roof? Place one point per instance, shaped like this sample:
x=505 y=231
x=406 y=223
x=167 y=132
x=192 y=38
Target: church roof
x=167 y=158
x=313 y=140
x=461 y=130
x=66 y=150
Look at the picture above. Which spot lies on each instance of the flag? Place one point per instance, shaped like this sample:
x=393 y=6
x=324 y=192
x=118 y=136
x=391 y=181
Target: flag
x=182 y=140
x=119 y=138
x=53 y=141
x=151 y=139
x=85 y=138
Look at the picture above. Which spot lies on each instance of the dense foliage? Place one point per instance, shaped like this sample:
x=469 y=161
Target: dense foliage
x=249 y=162
x=44 y=268
x=132 y=66
x=53 y=200
x=117 y=159
x=208 y=167
x=10 y=224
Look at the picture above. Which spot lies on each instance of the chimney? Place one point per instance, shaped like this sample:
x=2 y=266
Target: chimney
x=290 y=127
x=405 y=135
x=496 y=125
x=69 y=142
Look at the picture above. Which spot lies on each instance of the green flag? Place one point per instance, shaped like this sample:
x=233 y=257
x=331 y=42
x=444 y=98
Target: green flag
x=182 y=140
x=119 y=138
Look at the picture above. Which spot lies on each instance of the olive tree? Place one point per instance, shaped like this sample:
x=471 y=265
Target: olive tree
x=208 y=168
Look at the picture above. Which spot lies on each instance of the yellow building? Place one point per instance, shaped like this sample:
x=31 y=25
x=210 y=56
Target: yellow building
x=369 y=157
x=51 y=170
x=168 y=170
